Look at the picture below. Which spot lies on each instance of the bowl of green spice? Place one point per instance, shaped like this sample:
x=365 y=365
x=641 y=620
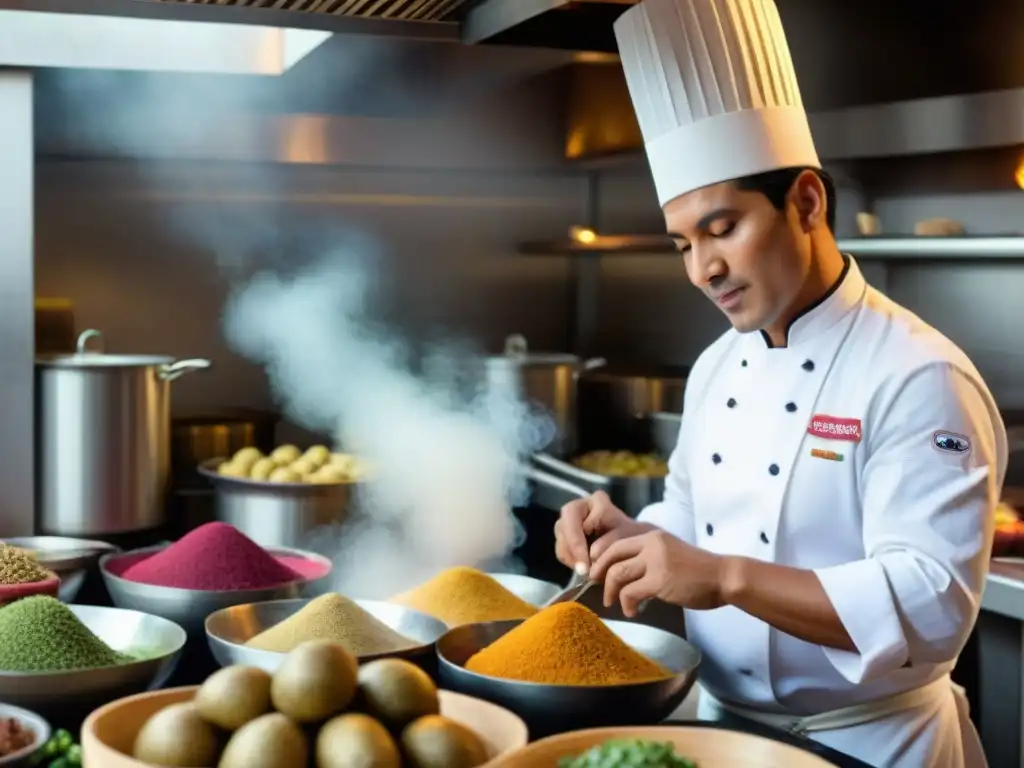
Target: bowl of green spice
x=57 y=656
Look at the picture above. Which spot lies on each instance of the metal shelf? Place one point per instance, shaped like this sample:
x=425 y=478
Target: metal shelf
x=974 y=248
x=910 y=247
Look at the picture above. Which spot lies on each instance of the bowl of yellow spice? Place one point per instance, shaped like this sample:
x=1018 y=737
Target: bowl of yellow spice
x=22 y=576
x=565 y=669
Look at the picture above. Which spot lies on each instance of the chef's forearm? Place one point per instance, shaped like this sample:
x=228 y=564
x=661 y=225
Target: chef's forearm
x=790 y=599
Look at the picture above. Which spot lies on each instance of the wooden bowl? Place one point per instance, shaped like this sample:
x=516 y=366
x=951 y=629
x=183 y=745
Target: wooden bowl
x=708 y=747
x=109 y=733
x=11 y=592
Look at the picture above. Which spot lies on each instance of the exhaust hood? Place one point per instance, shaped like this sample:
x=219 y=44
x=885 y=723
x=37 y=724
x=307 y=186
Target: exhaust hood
x=578 y=25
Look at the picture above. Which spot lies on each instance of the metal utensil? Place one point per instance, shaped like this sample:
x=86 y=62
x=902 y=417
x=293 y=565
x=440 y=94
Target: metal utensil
x=228 y=630
x=69 y=558
x=277 y=514
x=190 y=607
x=526 y=588
x=576 y=589
x=160 y=642
x=104 y=439
x=548 y=709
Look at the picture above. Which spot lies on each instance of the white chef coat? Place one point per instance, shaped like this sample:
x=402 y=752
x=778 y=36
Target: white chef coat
x=897 y=526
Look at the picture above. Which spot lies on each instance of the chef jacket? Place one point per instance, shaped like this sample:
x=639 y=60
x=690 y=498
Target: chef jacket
x=868 y=450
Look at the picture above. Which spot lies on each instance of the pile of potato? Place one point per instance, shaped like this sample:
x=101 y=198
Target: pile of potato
x=287 y=464
x=319 y=708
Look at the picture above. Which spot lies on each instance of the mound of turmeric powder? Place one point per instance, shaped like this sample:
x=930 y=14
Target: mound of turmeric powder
x=565 y=644
x=465 y=596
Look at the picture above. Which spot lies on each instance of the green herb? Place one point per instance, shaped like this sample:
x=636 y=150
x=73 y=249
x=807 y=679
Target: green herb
x=41 y=634
x=628 y=753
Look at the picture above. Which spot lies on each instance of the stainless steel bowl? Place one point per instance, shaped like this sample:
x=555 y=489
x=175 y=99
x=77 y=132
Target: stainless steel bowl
x=190 y=607
x=229 y=629
x=549 y=709
x=36 y=724
x=277 y=514
x=533 y=591
x=160 y=641
x=69 y=558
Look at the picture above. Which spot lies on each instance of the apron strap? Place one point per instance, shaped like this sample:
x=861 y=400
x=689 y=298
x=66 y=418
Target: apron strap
x=846 y=717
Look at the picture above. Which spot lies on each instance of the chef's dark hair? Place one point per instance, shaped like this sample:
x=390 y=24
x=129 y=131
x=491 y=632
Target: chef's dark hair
x=775 y=186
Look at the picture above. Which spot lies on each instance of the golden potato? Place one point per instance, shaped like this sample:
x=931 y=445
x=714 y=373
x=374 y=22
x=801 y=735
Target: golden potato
x=285 y=454
x=262 y=469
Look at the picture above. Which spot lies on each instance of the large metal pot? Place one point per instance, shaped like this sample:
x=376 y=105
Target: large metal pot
x=278 y=514
x=544 y=379
x=103 y=439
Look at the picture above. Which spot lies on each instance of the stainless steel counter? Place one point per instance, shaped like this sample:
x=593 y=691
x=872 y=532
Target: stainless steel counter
x=1004 y=591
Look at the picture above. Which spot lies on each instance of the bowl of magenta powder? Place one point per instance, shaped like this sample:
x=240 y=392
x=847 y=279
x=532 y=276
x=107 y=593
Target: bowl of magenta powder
x=213 y=567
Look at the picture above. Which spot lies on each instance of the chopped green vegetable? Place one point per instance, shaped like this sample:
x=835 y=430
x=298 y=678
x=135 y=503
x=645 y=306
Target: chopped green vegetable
x=629 y=753
x=74 y=755
x=60 y=751
x=64 y=741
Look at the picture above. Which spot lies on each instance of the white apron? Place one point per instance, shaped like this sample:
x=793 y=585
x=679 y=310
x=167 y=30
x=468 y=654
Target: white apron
x=841 y=729
x=819 y=456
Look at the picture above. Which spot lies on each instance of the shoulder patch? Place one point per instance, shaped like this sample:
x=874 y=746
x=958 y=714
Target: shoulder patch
x=951 y=442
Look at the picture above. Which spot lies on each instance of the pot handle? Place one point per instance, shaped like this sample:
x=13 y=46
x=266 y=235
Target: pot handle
x=83 y=340
x=551 y=481
x=181 y=367
x=573 y=474
x=516 y=345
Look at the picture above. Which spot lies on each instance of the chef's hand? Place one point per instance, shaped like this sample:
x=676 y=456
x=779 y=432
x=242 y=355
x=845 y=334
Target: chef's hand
x=657 y=564
x=596 y=517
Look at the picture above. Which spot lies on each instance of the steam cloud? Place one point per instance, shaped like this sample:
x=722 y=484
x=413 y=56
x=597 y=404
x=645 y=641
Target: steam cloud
x=445 y=459
x=446 y=465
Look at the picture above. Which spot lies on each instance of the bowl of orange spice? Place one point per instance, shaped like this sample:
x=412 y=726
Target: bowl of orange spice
x=566 y=669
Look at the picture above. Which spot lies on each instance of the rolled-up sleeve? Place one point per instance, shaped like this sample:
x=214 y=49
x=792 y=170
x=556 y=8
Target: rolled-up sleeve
x=675 y=512
x=931 y=481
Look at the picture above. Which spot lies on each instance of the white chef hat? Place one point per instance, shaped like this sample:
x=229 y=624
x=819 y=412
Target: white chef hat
x=714 y=90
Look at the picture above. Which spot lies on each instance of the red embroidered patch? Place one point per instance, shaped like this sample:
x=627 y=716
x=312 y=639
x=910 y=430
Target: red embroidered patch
x=834 y=428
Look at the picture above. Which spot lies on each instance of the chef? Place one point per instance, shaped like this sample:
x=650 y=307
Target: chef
x=829 y=509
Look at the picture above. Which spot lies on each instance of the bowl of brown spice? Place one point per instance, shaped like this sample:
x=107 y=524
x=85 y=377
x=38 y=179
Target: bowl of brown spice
x=21 y=576
x=22 y=733
x=566 y=669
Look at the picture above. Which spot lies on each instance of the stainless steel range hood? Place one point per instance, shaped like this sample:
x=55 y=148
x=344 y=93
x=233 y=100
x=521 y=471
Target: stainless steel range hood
x=579 y=25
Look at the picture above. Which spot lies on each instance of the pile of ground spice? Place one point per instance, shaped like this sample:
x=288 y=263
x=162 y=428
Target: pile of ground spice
x=565 y=644
x=17 y=566
x=14 y=736
x=213 y=557
x=41 y=634
x=335 y=618
x=465 y=596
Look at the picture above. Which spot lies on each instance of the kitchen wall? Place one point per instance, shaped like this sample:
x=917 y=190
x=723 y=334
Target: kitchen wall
x=136 y=244
x=649 y=309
